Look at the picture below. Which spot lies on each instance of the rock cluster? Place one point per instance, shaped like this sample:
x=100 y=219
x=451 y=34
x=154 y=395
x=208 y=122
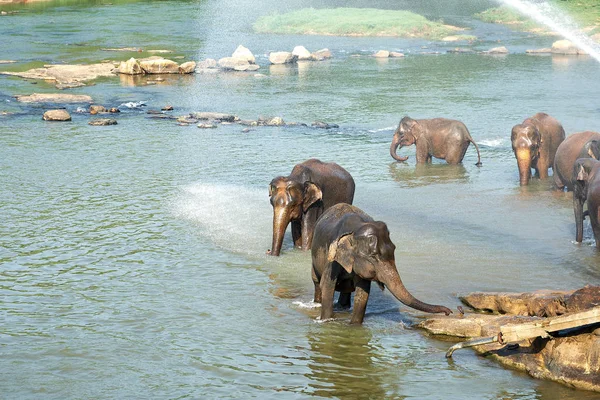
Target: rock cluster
x=562 y=47
x=299 y=53
x=387 y=54
x=154 y=65
x=571 y=358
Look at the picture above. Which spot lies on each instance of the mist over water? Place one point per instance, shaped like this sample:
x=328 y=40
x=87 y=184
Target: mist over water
x=557 y=20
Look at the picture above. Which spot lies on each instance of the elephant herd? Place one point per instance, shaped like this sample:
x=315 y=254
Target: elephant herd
x=349 y=249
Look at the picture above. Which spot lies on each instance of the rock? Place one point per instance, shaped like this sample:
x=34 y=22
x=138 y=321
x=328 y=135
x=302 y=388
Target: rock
x=583 y=298
x=56 y=115
x=95 y=109
x=541 y=303
x=322 y=54
x=248 y=123
x=67 y=73
x=7 y=61
x=130 y=67
x=452 y=38
x=461 y=50
x=206 y=126
x=159 y=51
x=186 y=119
x=167 y=108
x=208 y=63
x=281 y=57
x=130 y=49
x=230 y=63
x=396 y=54
x=323 y=125
x=246 y=67
x=382 y=54
x=244 y=54
x=114 y=110
x=565 y=47
x=539 y=51
x=214 y=116
x=63 y=86
x=54 y=98
x=301 y=53
x=159 y=66
x=187 y=67
x=498 y=50
x=103 y=122
x=275 y=121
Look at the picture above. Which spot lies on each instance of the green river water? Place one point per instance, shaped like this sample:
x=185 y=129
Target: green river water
x=132 y=257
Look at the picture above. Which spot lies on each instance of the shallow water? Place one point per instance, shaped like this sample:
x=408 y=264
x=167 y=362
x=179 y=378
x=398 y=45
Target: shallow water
x=133 y=257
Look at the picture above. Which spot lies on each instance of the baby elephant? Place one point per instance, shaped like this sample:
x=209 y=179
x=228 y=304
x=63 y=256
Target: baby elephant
x=534 y=142
x=442 y=138
x=350 y=250
x=586 y=187
x=301 y=198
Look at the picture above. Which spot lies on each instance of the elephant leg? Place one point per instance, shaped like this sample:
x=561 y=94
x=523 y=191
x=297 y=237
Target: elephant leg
x=328 y=281
x=297 y=233
x=363 y=288
x=456 y=153
x=344 y=300
x=309 y=220
x=318 y=296
x=423 y=155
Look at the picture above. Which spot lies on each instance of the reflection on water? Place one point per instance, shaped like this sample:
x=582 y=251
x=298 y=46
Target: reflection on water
x=427 y=174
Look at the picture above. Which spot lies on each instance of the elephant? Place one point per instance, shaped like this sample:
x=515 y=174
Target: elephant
x=534 y=142
x=441 y=138
x=350 y=250
x=301 y=198
x=585 y=173
x=578 y=145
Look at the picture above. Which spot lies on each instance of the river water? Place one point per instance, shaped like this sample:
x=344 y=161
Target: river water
x=133 y=256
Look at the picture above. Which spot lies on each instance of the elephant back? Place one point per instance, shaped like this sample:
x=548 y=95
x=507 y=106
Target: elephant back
x=567 y=153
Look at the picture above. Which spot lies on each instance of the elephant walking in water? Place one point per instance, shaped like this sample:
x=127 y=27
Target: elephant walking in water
x=586 y=187
x=578 y=145
x=350 y=250
x=441 y=138
x=534 y=142
x=301 y=198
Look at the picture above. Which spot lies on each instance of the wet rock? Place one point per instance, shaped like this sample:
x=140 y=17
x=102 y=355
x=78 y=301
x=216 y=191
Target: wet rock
x=566 y=47
x=243 y=53
x=56 y=115
x=159 y=66
x=103 y=122
x=281 y=57
x=54 y=98
x=231 y=63
x=167 y=108
x=301 y=53
x=214 y=116
x=130 y=67
x=382 y=54
x=95 y=109
x=114 y=110
x=246 y=67
x=187 y=67
x=187 y=120
x=206 y=126
x=497 y=50
x=322 y=54
x=67 y=73
x=63 y=86
x=324 y=125
x=248 y=123
x=275 y=121
x=395 y=54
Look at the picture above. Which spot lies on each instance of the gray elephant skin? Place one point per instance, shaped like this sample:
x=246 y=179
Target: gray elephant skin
x=534 y=142
x=350 y=250
x=586 y=187
x=577 y=145
x=301 y=198
x=441 y=138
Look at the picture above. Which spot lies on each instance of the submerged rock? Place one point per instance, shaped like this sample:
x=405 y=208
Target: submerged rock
x=56 y=115
x=103 y=122
x=322 y=54
x=206 y=126
x=214 y=116
x=54 y=98
x=67 y=73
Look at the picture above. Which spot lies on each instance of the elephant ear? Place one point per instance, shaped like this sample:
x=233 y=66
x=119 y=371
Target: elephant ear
x=342 y=251
x=593 y=149
x=312 y=194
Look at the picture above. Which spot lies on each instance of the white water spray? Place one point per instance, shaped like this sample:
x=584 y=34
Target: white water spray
x=556 y=20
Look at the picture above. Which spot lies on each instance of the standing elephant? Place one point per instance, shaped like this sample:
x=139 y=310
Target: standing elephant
x=301 y=198
x=578 y=145
x=350 y=250
x=585 y=173
x=441 y=138
x=534 y=143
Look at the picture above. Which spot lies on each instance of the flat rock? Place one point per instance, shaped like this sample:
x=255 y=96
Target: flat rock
x=67 y=73
x=396 y=54
x=206 y=126
x=56 y=115
x=159 y=66
x=498 y=50
x=54 y=98
x=231 y=63
x=215 y=116
x=103 y=122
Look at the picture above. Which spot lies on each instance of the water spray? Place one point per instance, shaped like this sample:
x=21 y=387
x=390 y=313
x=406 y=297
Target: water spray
x=552 y=17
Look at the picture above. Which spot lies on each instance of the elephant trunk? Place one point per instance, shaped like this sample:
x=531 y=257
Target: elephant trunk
x=393 y=148
x=280 y=223
x=397 y=288
x=524 y=163
x=578 y=208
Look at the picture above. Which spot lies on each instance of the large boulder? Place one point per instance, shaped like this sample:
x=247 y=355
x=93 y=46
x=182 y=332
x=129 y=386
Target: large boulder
x=130 y=67
x=565 y=47
x=301 y=53
x=56 y=115
x=159 y=66
x=282 y=57
x=245 y=54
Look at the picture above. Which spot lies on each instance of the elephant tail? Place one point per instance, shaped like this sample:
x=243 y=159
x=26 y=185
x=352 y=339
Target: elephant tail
x=478 y=154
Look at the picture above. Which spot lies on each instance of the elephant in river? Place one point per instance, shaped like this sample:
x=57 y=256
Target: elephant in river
x=534 y=142
x=441 y=138
x=586 y=187
x=578 y=145
x=301 y=198
x=350 y=250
